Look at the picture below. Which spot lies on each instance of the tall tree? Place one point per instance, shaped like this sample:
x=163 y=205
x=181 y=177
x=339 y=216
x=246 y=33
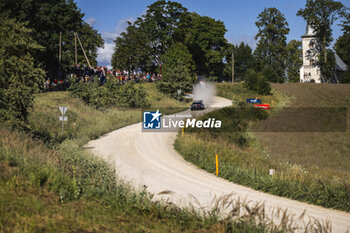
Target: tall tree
x=271 y=36
x=294 y=60
x=342 y=46
x=179 y=70
x=321 y=15
x=48 y=18
x=131 y=50
x=20 y=77
x=205 y=39
x=243 y=60
x=160 y=24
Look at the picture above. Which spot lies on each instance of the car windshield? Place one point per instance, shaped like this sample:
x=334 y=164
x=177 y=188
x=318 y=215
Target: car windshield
x=197 y=101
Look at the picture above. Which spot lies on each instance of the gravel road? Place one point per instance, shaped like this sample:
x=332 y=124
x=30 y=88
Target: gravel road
x=144 y=158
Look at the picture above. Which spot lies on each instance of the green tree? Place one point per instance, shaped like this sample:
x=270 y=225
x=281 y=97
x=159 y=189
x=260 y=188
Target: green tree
x=48 y=18
x=131 y=50
x=327 y=68
x=20 y=78
x=342 y=46
x=294 y=60
x=271 y=36
x=320 y=15
x=243 y=59
x=256 y=81
x=159 y=25
x=205 y=39
x=346 y=77
x=178 y=71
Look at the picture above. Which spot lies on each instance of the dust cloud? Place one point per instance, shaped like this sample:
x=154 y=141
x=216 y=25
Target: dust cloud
x=204 y=91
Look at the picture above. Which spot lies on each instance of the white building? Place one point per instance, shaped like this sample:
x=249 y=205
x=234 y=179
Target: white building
x=310 y=72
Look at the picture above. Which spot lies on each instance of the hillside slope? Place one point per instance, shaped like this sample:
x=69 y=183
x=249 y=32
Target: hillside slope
x=321 y=150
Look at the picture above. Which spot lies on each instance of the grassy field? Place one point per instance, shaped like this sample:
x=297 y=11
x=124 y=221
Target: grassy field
x=49 y=183
x=311 y=167
x=86 y=122
x=326 y=151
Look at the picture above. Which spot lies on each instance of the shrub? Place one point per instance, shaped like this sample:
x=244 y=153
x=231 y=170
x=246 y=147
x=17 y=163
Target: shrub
x=256 y=81
x=263 y=86
x=346 y=77
x=20 y=78
x=272 y=75
x=110 y=94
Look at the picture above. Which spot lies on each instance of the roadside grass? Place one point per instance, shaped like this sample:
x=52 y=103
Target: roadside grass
x=325 y=185
x=49 y=183
x=85 y=122
x=45 y=190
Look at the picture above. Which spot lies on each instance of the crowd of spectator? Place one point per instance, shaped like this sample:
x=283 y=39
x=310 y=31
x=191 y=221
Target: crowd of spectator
x=86 y=74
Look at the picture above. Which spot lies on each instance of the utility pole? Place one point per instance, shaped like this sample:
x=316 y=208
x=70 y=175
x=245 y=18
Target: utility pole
x=82 y=48
x=60 y=50
x=233 y=66
x=76 y=52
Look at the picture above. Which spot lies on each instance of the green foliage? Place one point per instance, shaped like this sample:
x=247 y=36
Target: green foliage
x=320 y=15
x=327 y=68
x=178 y=71
x=110 y=94
x=263 y=86
x=235 y=121
x=159 y=25
x=47 y=19
x=271 y=36
x=272 y=75
x=205 y=39
x=294 y=60
x=346 y=77
x=256 y=81
x=342 y=46
x=131 y=50
x=243 y=60
x=166 y=23
x=20 y=77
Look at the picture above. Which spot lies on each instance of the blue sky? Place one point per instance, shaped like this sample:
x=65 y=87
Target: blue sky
x=110 y=17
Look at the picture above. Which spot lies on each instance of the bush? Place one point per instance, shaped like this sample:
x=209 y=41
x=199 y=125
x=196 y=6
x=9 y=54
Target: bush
x=272 y=75
x=346 y=77
x=20 y=78
x=235 y=122
x=110 y=94
x=263 y=86
x=257 y=82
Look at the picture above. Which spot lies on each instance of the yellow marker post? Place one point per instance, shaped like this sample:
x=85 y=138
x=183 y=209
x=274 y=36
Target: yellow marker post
x=217 y=164
x=183 y=131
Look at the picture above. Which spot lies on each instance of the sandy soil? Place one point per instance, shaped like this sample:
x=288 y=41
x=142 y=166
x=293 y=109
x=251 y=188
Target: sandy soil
x=149 y=159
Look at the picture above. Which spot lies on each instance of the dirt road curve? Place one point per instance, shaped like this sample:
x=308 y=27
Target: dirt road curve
x=150 y=159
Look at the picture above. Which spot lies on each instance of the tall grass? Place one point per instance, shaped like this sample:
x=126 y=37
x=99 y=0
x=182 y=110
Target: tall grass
x=69 y=190
x=63 y=188
x=85 y=122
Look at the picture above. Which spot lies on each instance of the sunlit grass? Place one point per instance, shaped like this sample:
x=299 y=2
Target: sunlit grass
x=327 y=185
